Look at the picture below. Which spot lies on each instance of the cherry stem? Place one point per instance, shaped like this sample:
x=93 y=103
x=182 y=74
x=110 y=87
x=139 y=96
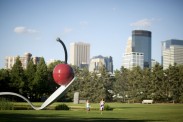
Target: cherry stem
x=65 y=50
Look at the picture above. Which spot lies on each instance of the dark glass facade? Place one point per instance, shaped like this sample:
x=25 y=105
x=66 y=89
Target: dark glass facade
x=141 y=42
x=109 y=64
x=168 y=43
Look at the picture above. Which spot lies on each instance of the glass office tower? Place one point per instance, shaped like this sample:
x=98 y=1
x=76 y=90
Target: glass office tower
x=141 y=42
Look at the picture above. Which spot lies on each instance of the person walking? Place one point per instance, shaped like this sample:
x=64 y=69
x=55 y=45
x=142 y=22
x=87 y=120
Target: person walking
x=87 y=106
x=102 y=102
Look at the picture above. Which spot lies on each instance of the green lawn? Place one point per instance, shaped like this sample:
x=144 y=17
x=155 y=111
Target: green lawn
x=121 y=112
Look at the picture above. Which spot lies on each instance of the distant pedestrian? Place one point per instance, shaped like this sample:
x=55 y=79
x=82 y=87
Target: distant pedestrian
x=102 y=102
x=87 y=106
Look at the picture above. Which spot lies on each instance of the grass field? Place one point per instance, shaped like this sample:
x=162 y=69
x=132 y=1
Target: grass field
x=121 y=112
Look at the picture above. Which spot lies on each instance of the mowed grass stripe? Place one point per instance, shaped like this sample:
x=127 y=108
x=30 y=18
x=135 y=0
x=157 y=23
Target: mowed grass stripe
x=121 y=112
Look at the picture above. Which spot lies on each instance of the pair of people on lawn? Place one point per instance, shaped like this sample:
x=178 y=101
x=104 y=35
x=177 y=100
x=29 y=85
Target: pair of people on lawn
x=102 y=102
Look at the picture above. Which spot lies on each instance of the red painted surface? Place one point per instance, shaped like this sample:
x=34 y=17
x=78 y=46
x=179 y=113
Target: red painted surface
x=63 y=74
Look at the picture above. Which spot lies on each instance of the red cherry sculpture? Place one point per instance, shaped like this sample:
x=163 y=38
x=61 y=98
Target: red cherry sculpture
x=63 y=74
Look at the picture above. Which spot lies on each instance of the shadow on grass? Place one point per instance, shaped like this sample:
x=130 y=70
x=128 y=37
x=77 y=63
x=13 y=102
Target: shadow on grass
x=129 y=108
x=15 y=117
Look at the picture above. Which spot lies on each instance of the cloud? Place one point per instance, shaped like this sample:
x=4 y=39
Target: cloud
x=24 y=30
x=68 y=30
x=143 y=23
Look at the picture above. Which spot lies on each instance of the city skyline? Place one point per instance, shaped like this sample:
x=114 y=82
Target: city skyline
x=33 y=26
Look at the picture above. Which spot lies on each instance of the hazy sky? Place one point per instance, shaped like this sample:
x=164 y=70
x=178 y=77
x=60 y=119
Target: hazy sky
x=33 y=26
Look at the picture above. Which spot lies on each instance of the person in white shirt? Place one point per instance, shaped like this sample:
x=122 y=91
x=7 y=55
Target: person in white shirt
x=102 y=102
x=87 y=106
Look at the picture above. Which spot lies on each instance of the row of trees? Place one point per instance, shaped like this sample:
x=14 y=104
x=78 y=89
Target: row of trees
x=133 y=85
x=156 y=83
x=36 y=83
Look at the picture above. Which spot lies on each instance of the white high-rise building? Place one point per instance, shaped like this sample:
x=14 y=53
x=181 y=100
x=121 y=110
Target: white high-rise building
x=172 y=52
x=129 y=45
x=132 y=59
x=79 y=53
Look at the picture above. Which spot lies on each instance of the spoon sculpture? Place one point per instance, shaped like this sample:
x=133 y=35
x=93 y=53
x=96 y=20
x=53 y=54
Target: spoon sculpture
x=63 y=75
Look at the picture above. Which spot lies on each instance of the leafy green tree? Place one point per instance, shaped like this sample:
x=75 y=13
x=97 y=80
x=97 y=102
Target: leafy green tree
x=121 y=84
x=4 y=80
x=91 y=85
x=96 y=87
x=157 y=82
x=146 y=85
x=173 y=81
x=82 y=84
x=17 y=77
x=134 y=81
x=41 y=80
x=105 y=84
x=29 y=87
x=180 y=83
x=86 y=84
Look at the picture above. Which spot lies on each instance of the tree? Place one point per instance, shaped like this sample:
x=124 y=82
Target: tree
x=121 y=84
x=17 y=77
x=172 y=74
x=146 y=85
x=30 y=72
x=135 y=81
x=157 y=76
x=41 y=80
x=106 y=84
x=4 y=80
x=180 y=83
x=83 y=84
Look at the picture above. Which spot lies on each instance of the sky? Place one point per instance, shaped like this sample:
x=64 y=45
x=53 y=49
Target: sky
x=33 y=26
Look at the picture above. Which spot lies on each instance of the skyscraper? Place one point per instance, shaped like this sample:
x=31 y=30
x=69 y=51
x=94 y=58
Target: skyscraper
x=141 y=42
x=172 y=52
x=98 y=62
x=79 y=53
x=132 y=59
x=129 y=45
x=109 y=63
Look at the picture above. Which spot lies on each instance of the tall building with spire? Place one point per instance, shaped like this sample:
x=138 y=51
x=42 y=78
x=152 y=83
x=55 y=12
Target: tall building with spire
x=172 y=52
x=128 y=48
x=79 y=54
